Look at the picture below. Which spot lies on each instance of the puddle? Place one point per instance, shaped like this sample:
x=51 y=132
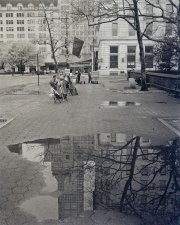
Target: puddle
x=117 y=104
x=104 y=171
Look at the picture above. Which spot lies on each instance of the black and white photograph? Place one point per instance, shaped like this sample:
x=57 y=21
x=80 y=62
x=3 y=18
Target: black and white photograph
x=89 y=112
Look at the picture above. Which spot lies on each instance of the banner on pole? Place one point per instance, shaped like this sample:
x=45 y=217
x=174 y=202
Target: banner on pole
x=77 y=47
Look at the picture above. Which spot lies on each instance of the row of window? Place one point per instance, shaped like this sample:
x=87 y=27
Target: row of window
x=131 y=56
x=22 y=21
x=30 y=6
x=32 y=28
x=149 y=29
x=29 y=14
x=31 y=35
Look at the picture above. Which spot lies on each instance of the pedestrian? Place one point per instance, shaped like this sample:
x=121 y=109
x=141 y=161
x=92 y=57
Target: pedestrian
x=79 y=76
x=54 y=83
x=89 y=75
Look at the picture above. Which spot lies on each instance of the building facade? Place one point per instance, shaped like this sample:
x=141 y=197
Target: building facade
x=24 y=21
x=116 y=42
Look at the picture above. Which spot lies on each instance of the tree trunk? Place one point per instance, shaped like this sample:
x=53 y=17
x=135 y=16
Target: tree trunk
x=51 y=39
x=178 y=20
x=141 y=47
x=128 y=182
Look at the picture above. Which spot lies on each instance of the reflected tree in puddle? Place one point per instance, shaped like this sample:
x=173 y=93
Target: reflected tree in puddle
x=115 y=171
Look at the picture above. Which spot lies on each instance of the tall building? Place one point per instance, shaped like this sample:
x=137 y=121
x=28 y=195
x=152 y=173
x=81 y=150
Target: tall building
x=22 y=20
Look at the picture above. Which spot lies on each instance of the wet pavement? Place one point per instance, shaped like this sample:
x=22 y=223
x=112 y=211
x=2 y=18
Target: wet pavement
x=30 y=190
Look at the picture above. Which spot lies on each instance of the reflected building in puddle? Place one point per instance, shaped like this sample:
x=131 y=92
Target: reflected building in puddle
x=118 y=171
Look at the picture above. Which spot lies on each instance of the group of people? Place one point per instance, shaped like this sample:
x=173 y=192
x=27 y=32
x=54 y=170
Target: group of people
x=64 y=82
x=60 y=85
x=79 y=76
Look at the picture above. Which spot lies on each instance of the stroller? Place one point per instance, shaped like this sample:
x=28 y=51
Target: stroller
x=56 y=96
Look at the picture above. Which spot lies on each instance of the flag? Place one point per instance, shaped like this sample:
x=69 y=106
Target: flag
x=77 y=46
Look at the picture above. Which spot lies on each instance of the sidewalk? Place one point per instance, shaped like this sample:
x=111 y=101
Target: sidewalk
x=35 y=116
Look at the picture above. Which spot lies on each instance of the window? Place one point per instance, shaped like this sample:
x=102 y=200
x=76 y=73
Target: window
x=129 y=154
x=143 y=184
x=20 y=7
x=114 y=29
x=162 y=185
x=20 y=35
x=144 y=171
x=113 y=56
x=149 y=28
x=0 y=14
x=42 y=28
x=1 y=35
x=30 y=6
x=9 y=14
x=128 y=167
x=31 y=35
x=113 y=137
x=51 y=6
x=30 y=14
x=168 y=29
x=20 y=28
x=169 y=10
x=31 y=21
x=145 y=154
x=131 y=31
x=10 y=35
x=40 y=21
x=131 y=11
x=20 y=14
x=9 y=21
x=20 y=21
x=131 y=56
x=9 y=6
x=9 y=28
x=41 y=14
x=143 y=199
x=42 y=35
x=149 y=56
x=31 y=28
x=1 y=22
x=149 y=10
x=163 y=171
x=1 y=28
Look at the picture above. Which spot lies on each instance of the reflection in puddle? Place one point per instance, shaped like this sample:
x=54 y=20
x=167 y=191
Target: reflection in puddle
x=109 y=170
x=117 y=104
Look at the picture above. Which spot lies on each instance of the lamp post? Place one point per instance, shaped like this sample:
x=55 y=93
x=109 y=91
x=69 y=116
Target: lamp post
x=38 y=67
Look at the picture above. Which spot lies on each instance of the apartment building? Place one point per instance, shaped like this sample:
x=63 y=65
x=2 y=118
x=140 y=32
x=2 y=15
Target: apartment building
x=22 y=20
x=116 y=42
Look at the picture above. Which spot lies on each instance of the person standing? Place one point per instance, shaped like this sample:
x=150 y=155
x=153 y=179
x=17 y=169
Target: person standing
x=89 y=75
x=79 y=76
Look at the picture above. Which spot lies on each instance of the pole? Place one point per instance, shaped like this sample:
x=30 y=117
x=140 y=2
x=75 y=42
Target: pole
x=38 y=68
x=66 y=45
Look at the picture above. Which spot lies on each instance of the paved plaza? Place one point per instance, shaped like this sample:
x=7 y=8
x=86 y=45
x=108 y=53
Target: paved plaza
x=27 y=113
